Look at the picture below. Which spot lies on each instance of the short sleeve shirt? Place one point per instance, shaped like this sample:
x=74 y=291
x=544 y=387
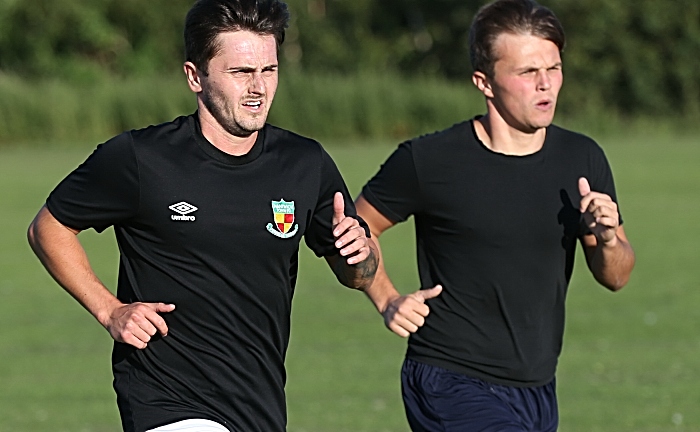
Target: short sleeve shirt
x=499 y=233
x=218 y=236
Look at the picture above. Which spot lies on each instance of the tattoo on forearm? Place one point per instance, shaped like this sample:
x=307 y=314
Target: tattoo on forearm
x=358 y=275
x=366 y=269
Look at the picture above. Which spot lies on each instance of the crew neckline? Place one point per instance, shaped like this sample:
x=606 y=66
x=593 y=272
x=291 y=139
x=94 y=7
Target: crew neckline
x=528 y=158
x=222 y=156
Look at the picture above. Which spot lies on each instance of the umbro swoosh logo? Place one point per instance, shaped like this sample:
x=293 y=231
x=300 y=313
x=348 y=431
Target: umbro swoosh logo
x=184 y=208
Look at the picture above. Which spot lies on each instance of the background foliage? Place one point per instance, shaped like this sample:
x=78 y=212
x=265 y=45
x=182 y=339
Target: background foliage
x=73 y=70
x=624 y=59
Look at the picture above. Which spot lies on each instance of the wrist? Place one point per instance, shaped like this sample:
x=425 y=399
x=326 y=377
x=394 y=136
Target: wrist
x=105 y=312
x=382 y=304
x=612 y=243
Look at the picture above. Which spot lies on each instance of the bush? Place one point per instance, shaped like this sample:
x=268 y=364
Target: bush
x=55 y=111
x=630 y=57
x=322 y=106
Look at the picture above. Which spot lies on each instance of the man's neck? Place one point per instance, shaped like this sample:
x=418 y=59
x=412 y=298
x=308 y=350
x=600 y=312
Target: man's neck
x=500 y=137
x=223 y=140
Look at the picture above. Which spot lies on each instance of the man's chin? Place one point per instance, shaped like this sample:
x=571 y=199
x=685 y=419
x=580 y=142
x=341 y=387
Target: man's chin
x=541 y=123
x=244 y=130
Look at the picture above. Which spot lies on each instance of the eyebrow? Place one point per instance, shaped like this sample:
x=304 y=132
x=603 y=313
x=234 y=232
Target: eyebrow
x=533 y=68
x=251 y=69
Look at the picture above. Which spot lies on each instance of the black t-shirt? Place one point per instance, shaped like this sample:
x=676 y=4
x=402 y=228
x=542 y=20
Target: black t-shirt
x=499 y=233
x=218 y=236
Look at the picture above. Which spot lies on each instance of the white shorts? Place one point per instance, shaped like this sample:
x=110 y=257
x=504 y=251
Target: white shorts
x=191 y=425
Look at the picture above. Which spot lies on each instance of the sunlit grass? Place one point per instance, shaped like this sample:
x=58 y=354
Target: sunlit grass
x=629 y=361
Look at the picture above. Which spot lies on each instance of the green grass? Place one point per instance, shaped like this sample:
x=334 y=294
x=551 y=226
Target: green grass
x=629 y=361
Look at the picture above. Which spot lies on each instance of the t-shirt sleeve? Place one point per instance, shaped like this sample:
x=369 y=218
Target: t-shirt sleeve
x=394 y=191
x=319 y=236
x=102 y=191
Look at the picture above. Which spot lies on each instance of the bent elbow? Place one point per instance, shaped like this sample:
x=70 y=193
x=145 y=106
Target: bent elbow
x=31 y=235
x=615 y=284
x=615 y=287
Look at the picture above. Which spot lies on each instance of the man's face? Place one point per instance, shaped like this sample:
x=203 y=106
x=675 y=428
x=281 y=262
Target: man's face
x=526 y=82
x=242 y=81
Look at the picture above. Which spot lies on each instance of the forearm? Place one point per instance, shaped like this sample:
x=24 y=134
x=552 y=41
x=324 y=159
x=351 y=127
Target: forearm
x=612 y=263
x=382 y=291
x=64 y=258
x=360 y=275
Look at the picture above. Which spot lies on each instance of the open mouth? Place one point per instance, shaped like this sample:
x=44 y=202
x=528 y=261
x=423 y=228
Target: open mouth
x=544 y=104
x=254 y=105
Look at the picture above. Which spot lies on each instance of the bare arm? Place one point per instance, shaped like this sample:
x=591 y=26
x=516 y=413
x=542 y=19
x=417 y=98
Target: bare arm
x=611 y=263
x=608 y=252
x=403 y=314
x=358 y=276
x=355 y=264
x=59 y=250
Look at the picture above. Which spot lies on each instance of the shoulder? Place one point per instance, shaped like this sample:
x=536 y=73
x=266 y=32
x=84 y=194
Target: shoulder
x=574 y=144
x=446 y=137
x=431 y=150
x=276 y=133
x=571 y=139
x=579 y=152
x=164 y=132
x=292 y=144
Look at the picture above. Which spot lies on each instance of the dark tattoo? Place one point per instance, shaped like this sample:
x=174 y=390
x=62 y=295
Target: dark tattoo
x=358 y=276
x=368 y=268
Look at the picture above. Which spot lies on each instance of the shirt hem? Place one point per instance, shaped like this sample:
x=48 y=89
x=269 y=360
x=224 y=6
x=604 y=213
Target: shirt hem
x=470 y=372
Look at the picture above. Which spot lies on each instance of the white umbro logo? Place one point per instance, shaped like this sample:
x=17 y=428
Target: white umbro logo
x=184 y=209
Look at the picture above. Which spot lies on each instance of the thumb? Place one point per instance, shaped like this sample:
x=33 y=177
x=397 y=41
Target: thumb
x=338 y=208
x=583 y=187
x=162 y=307
x=429 y=293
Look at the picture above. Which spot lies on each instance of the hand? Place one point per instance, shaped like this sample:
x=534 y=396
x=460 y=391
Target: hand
x=350 y=237
x=599 y=212
x=406 y=314
x=136 y=323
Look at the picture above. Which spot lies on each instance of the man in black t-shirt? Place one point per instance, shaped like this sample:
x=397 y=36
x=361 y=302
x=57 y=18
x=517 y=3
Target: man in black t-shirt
x=499 y=203
x=209 y=211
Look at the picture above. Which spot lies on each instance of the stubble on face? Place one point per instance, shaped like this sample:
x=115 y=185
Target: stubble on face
x=242 y=82
x=220 y=108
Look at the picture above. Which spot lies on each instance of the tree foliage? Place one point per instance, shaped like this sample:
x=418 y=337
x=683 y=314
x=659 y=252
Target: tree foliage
x=83 y=39
x=631 y=57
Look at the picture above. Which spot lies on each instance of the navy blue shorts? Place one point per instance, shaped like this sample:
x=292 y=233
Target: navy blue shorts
x=439 y=400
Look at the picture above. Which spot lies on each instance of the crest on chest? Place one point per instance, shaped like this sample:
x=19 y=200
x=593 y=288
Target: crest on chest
x=283 y=216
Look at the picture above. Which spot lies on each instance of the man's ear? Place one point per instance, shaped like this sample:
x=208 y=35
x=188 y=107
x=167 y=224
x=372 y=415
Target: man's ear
x=481 y=81
x=193 y=77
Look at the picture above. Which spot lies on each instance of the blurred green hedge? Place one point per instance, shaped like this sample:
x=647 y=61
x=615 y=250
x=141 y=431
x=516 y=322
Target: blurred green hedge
x=77 y=69
x=321 y=106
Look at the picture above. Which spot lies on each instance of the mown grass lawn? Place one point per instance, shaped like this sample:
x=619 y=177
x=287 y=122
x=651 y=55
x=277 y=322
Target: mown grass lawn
x=629 y=361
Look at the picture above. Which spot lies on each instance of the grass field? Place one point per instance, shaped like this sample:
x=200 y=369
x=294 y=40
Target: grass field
x=630 y=359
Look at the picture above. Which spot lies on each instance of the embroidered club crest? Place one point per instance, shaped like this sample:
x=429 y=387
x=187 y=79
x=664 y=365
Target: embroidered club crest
x=283 y=213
